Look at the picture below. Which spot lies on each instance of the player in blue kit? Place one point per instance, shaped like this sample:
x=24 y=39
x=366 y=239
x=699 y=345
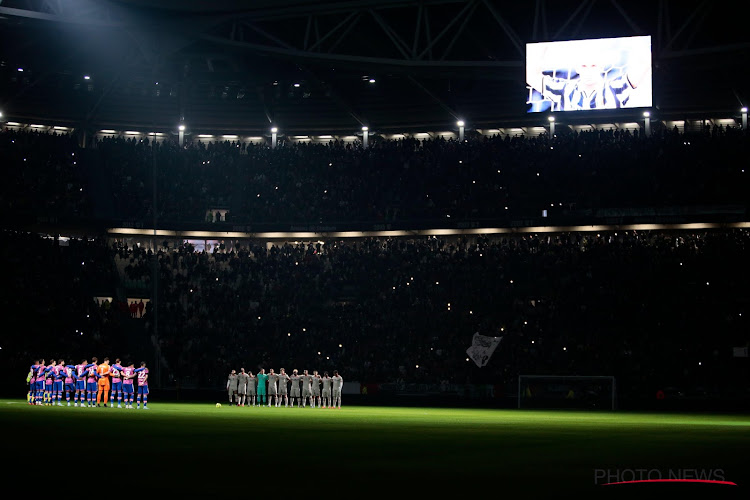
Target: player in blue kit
x=91 y=385
x=58 y=378
x=41 y=373
x=142 y=374
x=116 y=372
x=80 y=373
x=48 y=382
x=69 y=382
x=128 y=374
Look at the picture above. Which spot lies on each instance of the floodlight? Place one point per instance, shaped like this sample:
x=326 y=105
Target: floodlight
x=460 y=123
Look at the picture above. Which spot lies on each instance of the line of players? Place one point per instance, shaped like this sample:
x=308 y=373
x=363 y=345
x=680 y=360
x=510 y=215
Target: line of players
x=89 y=384
x=284 y=390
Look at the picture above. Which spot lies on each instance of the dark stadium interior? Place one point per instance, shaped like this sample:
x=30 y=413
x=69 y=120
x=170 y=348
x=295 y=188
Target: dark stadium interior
x=218 y=61
x=601 y=249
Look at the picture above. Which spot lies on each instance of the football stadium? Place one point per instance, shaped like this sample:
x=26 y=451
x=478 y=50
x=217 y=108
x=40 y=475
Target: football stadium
x=375 y=248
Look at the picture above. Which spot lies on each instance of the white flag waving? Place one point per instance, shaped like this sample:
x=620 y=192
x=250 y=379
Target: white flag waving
x=482 y=348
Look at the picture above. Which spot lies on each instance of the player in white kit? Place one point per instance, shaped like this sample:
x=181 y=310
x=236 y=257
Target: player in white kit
x=338 y=384
x=326 y=394
x=315 y=386
x=242 y=380
x=306 y=389
x=232 y=387
x=294 y=392
x=252 y=381
x=283 y=393
x=273 y=393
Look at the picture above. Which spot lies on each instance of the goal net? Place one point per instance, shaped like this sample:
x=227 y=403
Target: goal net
x=567 y=391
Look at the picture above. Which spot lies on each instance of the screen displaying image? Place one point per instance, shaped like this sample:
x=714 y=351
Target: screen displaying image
x=577 y=75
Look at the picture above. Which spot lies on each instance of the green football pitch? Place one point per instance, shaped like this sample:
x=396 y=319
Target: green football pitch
x=367 y=451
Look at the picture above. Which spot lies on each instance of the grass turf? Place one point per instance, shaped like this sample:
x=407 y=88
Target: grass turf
x=192 y=448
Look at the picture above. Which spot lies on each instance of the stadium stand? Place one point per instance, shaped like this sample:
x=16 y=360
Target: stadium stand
x=408 y=181
x=654 y=308
x=573 y=284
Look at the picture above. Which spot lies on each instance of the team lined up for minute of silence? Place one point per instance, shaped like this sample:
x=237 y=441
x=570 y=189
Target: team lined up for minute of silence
x=89 y=384
x=282 y=389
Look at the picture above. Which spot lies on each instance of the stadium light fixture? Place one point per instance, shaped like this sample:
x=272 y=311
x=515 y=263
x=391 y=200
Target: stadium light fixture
x=646 y=114
x=274 y=130
x=181 y=135
x=86 y=77
x=365 y=136
x=744 y=110
x=371 y=80
x=551 y=118
x=20 y=70
x=460 y=124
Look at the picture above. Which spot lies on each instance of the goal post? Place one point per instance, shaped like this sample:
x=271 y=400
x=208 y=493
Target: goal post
x=567 y=391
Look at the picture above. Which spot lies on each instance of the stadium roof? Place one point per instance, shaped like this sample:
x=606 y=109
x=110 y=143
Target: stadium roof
x=307 y=65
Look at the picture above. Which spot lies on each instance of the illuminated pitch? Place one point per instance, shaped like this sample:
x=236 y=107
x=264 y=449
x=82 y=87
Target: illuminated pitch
x=384 y=452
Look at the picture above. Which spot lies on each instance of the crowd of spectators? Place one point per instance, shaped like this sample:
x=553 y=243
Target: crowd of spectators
x=652 y=308
x=428 y=180
x=405 y=180
x=41 y=176
x=57 y=300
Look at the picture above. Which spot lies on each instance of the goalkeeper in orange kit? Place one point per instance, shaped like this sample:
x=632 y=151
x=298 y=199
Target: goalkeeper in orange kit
x=103 y=372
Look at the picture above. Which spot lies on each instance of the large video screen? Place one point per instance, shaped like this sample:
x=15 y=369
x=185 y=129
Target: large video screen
x=577 y=75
